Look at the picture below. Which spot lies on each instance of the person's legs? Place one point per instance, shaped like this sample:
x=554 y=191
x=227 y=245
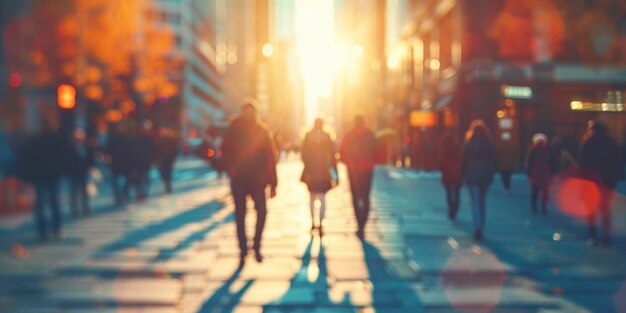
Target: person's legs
x=366 y=190
x=322 y=197
x=483 y=205
x=54 y=207
x=354 y=190
x=260 y=205
x=313 y=197
x=457 y=199
x=238 y=191
x=85 y=197
x=506 y=179
x=474 y=193
x=450 y=200
x=74 y=196
x=39 y=211
x=534 y=195
x=544 y=198
x=605 y=214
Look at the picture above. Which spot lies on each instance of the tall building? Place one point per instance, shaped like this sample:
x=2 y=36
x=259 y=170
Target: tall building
x=547 y=67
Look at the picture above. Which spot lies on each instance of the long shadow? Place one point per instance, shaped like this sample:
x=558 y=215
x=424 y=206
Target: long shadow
x=223 y=300
x=136 y=237
x=301 y=282
x=388 y=291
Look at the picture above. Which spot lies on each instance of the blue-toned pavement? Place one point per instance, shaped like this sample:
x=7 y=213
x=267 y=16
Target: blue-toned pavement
x=179 y=253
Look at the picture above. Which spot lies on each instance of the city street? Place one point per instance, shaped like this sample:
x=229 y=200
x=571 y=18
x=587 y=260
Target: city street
x=179 y=253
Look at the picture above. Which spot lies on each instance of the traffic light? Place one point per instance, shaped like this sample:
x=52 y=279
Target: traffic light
x=66 y=96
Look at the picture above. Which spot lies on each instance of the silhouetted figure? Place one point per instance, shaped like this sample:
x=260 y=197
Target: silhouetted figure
x=44 y=162
x=250 y=159
x=167 y=143
x=81 y=159
x=539 y=172
x=118 y=148
x=9 y=184
x=560 y=158
x=141 y=159
x=450 y=166
x=600 y=155
x=478 y=168
x=320 y=168
x=508 y=160
x=358 y=152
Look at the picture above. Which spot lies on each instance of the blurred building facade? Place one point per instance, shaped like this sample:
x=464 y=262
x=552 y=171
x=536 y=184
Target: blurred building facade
x=360 y=82
x=522 y=66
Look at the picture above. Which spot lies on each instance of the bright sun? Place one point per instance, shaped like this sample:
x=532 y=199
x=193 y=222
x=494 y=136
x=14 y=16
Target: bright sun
x=316 y=49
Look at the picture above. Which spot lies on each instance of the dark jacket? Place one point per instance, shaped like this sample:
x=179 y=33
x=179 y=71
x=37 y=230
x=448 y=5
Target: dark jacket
x=318 y=156
x=118 y=149
x=478 y=162
x=600 y=154
x=450 y=164
x=358 y=149
x=45 y=158
x=142 y=153
x=80 y=160
x=248 y=153
x=538 y=169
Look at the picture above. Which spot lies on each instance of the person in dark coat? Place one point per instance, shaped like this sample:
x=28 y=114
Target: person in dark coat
x=250 y=160
x=358 y=152
x=508 y=160
x=478 y=167
x=141 y=157
x=539 y=172
x=118 y=147
x=81 y=159
x=167 y=143
x=450 y=166
x=600 y=155
x=43 y=163
x=320 y=168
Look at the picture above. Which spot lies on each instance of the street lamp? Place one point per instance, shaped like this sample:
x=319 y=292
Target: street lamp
x=66 y=96
x=267 y=50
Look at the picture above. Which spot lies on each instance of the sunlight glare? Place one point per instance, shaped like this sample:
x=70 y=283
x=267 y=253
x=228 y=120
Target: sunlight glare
x=317 y=52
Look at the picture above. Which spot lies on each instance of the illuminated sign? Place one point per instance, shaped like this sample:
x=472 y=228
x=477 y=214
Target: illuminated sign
x=517 y=92
x=422 y=119
x=596 y=107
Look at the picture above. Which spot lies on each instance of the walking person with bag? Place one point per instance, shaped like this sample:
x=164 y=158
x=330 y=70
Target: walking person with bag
x=478 y=168
x=320 y=168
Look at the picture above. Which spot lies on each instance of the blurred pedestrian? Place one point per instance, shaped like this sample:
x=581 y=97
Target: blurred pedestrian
x=560 y=158
x=600 y=155
x=81 y=160
x=450 y=166
x=478 y=168
x=358 y=152
x=142 y=156
x=250 y=160
x=44 y=161
x=118 y=147
x=539 y=173
x=320 y=168
x=167 y=143
x=508 y=160
x=8 y=173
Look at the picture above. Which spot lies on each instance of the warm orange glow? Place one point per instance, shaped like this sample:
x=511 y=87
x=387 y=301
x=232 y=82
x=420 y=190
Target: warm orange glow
x=114 y=116
x=210 y=153
x=423 y=119
x=317 y=51
x=66 y=96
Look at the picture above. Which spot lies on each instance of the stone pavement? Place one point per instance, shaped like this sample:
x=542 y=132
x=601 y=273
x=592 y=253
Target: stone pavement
x=179 y=254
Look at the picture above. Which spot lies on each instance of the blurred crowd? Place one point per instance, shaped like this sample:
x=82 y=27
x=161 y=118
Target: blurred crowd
x=36 y=169
x=596 y=170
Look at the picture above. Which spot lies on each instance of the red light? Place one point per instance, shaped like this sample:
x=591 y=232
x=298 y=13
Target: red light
x=210 y=153
x=15 y=80
x=66 y=96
